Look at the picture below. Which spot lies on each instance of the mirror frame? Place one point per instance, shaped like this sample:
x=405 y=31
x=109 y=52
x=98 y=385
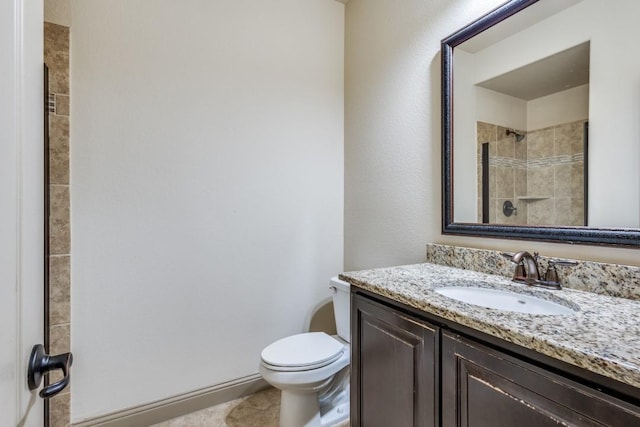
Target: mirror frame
x=626 y=237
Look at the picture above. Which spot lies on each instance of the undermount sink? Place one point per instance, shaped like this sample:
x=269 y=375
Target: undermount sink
x=504 y=300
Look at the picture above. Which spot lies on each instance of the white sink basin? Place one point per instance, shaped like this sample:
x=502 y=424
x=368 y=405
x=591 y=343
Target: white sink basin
x=504 y=300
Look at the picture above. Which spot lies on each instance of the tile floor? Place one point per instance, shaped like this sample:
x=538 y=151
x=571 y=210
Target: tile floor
x=258 y=410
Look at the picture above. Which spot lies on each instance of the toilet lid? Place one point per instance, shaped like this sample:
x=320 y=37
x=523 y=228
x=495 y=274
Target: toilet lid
x=309 y=350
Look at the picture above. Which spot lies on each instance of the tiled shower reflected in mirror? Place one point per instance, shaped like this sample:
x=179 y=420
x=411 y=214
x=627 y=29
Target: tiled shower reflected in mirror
x=540 y=173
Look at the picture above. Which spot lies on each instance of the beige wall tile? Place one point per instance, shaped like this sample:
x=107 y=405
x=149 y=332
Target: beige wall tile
x=563 y=211
x=56 y=56
x=577 y=180
x=569 y=138
x=60 y=413
x=562 y=180
x=577 y=211
x=493 y=215
x=59 y=221
x=59 y=290
x=540 y=144
x=506 y=146
x=569 y=211
x=493 y=179
x=62 y=105
x=505 y=183
x=486 y=132
x=59 y=342
x=540 y=182
x=541 y=212
x=578 y=143
x=523 y=212
x=520 y=176
x=60 y=339
x=58 y=149
x=521 y=148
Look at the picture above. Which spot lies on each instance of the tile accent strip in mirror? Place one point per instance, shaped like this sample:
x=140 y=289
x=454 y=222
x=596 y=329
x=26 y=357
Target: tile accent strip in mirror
x=614 y=280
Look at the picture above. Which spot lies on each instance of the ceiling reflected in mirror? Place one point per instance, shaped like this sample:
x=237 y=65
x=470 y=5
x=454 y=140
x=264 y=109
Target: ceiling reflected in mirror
x=561 y=71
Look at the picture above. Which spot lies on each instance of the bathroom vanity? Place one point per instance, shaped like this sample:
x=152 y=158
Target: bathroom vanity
x=422 y=359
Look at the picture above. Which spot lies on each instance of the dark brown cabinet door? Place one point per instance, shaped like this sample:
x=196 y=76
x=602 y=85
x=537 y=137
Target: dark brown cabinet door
x=394 y=368
x=482 y=387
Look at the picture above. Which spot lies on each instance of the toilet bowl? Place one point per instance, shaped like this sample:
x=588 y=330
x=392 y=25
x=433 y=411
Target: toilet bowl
x=312 y=370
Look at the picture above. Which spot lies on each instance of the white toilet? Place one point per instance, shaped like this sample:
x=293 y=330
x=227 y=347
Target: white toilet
x=312 y=370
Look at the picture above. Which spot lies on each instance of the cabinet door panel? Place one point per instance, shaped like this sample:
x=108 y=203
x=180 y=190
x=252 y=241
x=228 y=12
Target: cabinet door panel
x=394 y=368
x=483 y=387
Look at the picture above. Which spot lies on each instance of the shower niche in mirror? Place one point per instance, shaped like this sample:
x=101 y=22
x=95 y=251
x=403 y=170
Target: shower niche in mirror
x=520 y=87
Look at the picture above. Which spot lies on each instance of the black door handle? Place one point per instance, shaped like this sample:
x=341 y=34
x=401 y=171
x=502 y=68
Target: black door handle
x=40 y=363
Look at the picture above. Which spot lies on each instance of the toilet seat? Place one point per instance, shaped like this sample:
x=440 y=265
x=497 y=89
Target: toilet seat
x=302 y=352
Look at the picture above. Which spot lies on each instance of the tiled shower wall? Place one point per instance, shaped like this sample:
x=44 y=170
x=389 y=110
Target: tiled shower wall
x=555 y=173
x=542 y=175
x=507 y=173
x=56 y=56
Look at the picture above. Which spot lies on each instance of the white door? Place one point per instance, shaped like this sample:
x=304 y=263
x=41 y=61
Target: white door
x=21 y=206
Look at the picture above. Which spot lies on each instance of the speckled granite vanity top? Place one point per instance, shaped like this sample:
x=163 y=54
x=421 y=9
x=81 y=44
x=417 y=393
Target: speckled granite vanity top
x=603 y=336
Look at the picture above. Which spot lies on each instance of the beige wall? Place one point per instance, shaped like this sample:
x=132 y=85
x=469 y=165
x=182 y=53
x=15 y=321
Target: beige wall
x=58 y=12
x=207 y=197
x=392 y=135
x=558 y=108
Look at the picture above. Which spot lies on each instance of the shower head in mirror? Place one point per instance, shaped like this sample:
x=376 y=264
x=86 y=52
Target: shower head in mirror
x=519 y=136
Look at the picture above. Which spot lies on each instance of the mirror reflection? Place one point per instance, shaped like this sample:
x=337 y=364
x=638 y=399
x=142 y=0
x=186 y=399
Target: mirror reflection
x=533 y=161
x=524 y=95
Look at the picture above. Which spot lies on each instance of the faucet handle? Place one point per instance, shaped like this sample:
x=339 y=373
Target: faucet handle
x=563 y=262
x=507 y=255
x=552 y=274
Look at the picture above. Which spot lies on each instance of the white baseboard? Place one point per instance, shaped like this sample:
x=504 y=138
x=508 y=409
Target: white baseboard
x=176 y=406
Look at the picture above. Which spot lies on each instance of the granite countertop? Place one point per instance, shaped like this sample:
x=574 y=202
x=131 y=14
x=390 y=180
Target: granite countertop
x=603 y=336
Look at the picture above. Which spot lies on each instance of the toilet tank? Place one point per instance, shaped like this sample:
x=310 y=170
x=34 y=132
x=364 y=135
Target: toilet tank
x=341 y=307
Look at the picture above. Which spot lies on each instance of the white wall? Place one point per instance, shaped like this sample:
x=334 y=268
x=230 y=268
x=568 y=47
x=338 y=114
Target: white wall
x=58 y=12
x=393 y=138
x=21 y=217
x=207 y=168
x=472 y=104
x=563 y=107
x=392 y=115
x=500 y=109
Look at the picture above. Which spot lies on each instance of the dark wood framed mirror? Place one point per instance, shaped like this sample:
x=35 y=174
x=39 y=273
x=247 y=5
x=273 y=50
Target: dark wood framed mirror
x=612 y=202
